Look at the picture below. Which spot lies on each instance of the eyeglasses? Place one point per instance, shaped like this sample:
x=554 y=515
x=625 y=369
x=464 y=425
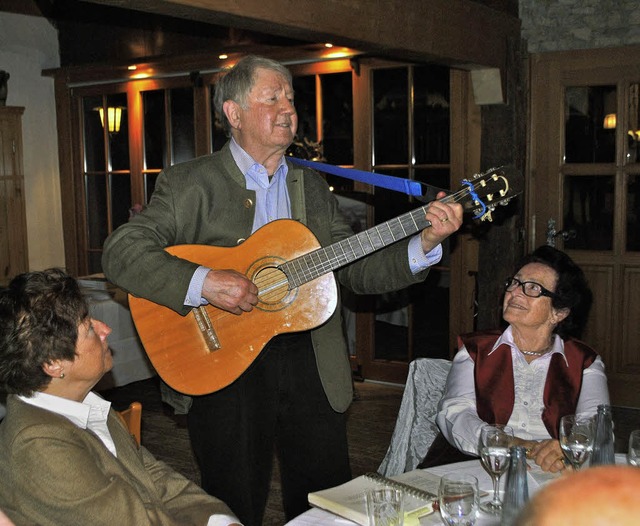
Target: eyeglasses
x=529 y=288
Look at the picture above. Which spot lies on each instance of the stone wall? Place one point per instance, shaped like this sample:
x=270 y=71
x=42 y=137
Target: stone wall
x=556 y=25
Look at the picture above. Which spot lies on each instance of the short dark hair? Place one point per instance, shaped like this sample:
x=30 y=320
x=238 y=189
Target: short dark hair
x=236 y=84
x=39 y=317
x=572 y=290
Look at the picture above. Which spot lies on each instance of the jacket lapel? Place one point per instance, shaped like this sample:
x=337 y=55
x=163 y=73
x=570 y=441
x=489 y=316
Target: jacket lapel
x=295 y=186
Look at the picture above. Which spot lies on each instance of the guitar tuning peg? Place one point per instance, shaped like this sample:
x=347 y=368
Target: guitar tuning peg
x=487 y=217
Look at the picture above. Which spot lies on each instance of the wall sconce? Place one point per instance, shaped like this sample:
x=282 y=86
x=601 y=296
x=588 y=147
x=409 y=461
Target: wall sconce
x=609 y=121
x=114 y=116
x=634 y=134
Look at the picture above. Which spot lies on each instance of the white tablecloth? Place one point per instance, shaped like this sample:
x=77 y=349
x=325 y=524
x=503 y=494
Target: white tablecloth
x=535 y=478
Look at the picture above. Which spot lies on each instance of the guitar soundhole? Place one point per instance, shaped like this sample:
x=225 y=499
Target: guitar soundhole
x=273 y=286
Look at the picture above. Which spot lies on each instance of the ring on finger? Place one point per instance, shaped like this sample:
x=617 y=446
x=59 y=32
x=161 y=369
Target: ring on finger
x=444 y=219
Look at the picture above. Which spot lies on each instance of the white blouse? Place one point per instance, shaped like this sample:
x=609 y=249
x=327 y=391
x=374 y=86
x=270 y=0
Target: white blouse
x=458 y=418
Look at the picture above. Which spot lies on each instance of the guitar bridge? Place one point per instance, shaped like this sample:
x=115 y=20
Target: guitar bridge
x=206 y=329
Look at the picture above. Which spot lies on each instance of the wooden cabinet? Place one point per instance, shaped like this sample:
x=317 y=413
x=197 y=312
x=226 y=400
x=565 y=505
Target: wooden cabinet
x=13 y=224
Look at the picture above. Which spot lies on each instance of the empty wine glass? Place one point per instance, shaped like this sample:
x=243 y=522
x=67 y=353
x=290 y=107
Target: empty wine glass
x=458 y=499
x=495 y=441
x=576 y=438
x=633 y=454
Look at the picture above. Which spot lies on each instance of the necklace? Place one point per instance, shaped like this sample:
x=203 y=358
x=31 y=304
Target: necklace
x=538 y=353
x=534 y=353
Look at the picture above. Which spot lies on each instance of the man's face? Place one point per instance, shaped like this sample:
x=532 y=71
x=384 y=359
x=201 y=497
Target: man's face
x=267 y=123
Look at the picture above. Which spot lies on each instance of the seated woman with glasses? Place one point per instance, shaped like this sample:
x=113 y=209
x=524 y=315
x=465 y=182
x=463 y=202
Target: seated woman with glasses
x=534 y=372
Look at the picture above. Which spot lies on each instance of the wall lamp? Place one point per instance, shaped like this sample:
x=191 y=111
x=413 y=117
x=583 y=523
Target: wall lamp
x=114 y=116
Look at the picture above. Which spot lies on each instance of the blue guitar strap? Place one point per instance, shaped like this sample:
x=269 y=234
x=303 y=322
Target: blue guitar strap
x=421 y=191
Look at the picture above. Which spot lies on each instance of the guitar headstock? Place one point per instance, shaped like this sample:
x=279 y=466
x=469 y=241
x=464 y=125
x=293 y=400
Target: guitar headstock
x=489 y=189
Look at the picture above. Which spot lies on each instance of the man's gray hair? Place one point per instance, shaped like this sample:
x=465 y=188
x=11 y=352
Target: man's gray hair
x=236 y=84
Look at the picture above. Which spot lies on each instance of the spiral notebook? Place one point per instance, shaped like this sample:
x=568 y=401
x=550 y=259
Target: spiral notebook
x=348 y=500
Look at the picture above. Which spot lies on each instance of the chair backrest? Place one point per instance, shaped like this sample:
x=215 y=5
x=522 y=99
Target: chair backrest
x=416 y=427
x=132 y=419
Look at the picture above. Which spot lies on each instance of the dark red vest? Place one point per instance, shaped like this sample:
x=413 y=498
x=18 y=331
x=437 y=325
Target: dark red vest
x=495 y=392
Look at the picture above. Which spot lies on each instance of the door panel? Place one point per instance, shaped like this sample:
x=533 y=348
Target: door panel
x=630 y=350
x=584 y=174
x=598 y=330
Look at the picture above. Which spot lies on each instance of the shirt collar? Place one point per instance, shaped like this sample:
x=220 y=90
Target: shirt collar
x=507 y=338
x=91 y=409
x=253 y=171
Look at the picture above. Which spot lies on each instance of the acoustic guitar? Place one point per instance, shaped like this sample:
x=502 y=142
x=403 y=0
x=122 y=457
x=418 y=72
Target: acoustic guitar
x=209 y=348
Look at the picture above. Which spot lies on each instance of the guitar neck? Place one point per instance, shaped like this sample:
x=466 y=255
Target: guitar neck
x=493 y=185
x=319 y=262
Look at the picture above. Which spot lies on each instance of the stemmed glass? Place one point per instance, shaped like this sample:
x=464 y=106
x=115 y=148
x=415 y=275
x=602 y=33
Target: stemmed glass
x=458 y=499
x=633 y=454
x=495 y=441
x=576 y=438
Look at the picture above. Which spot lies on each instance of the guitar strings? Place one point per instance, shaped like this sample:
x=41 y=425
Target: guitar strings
x=316 y=269
x=303 y=269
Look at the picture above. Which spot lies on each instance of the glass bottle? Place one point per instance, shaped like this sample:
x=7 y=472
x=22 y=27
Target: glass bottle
x=603 y=441
x=516 y=491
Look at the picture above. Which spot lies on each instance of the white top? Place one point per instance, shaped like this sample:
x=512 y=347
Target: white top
x=458 y=417
x=91 y=413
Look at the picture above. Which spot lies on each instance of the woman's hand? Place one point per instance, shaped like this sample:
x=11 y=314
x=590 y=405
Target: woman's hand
x=545 y=453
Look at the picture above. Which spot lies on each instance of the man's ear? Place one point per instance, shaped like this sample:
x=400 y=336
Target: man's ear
x=232 y=112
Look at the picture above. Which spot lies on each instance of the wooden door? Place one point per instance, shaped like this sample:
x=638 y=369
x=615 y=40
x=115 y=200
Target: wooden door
x=13 y=226
x=584 y=194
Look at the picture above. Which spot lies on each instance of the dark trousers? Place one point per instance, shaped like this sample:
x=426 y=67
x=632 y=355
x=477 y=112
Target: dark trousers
x=278 y=404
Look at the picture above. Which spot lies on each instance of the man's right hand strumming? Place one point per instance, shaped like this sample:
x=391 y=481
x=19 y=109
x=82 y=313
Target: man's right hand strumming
x=230 y=291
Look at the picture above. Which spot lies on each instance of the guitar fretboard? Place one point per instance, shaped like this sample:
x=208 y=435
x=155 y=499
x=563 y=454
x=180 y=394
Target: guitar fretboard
x=310 y=266
x=317 y=263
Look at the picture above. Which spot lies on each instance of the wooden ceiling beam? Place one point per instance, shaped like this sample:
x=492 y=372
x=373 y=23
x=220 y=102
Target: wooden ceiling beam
x=460 y=33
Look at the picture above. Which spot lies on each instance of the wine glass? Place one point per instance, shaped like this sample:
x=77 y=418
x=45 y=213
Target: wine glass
x=576 y=438
x=633 y=454
x=458 y=499
x=495 y=441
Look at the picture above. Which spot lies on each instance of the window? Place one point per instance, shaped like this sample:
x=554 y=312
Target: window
x=324 y=102
x=411 y=140
x=121 y=165
x=107 y=175
x=168 y=131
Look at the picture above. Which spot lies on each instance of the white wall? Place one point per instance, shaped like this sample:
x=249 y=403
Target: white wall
x=27 y=46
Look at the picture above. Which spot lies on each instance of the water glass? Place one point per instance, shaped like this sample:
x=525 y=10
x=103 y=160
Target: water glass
x=633 y=454
x=495 y=441
x=385 y=507
x=576 y=438
x=458 y=499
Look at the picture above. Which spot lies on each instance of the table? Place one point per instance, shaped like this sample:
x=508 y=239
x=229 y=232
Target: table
x=109 y=304
x=536 y=478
